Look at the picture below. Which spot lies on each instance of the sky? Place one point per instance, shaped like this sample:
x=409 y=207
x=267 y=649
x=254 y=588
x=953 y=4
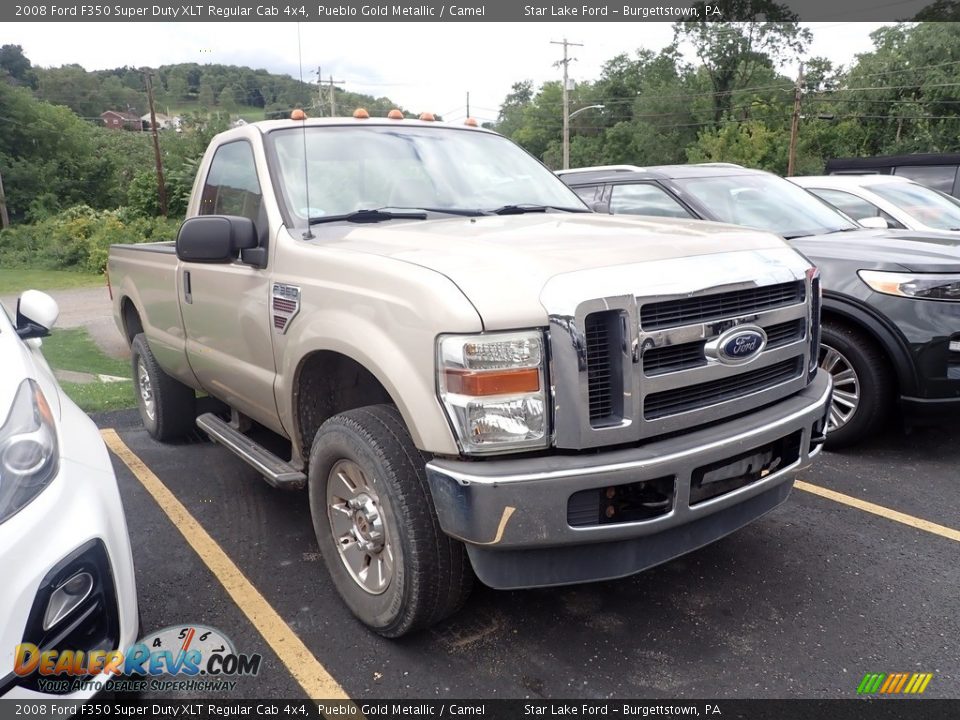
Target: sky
x=421 y=66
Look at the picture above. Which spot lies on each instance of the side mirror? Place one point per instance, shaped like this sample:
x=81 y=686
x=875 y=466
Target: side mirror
x=875 y=222
x=36 y=314
x=215 y=238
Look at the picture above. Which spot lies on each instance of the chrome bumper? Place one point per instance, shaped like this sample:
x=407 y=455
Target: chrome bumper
x=521 y=505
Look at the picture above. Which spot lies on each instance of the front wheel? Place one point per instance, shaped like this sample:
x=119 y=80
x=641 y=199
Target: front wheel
x=377 y=529
x=862 y=384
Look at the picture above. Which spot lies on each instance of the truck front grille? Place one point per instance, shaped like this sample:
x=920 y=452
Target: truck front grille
x=627 y=367
x=687 y=311
x=657 y=361
x=694 y=397
x=599 y=383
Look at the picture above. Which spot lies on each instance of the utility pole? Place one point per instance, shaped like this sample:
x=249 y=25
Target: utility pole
x=566 y=97
x=4 y=218
x=319 y=90
x=795 y=123
x=161 y=189
x=333 y=99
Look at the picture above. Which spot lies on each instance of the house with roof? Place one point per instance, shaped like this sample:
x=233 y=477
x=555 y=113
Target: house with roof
x=120 y=120
x=164 y=122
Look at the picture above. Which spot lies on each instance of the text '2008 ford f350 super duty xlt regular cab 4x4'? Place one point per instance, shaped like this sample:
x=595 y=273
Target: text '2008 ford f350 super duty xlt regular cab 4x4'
x=474 y=372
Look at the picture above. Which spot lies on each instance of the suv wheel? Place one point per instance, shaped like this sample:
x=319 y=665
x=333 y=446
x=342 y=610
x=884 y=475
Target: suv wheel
x=862 y=384
x=377 y=529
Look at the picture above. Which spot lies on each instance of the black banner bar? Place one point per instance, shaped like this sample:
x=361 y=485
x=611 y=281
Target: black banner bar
x=466 y=11
x=853 y=709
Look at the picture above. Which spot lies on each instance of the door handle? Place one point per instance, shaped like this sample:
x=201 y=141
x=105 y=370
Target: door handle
x=187 y=294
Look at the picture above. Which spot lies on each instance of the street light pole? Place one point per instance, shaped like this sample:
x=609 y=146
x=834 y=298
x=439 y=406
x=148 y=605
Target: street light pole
x=566 y=98
x=566 y=131
x=588 y=107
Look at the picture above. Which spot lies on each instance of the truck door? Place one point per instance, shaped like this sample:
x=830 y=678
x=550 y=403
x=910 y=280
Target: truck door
x=225 y=306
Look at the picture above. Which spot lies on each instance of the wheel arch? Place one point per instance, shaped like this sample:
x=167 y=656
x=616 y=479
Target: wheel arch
x=888 y=338
x=327 y=383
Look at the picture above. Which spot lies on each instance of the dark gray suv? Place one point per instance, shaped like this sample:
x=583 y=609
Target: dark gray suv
x=891 y=298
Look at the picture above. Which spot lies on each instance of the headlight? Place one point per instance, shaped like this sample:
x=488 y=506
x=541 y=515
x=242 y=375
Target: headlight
x=29 y=456
x=493 y=389
x=925 y=286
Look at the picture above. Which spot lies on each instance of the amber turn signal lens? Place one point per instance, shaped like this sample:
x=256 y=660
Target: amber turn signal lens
x=493 y=382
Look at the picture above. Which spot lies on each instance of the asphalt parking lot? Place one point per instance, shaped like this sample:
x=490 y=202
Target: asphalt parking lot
x=800 y=604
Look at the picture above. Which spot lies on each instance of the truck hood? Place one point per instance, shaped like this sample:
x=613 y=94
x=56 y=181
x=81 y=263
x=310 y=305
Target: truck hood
x=501 y=264
x=894 y=250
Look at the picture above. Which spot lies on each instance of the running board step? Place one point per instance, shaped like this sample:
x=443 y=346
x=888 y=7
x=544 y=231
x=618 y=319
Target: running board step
x=275 y=471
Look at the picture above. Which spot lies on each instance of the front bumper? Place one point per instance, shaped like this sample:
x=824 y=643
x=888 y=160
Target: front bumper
x=78 y=518
x=513 y=514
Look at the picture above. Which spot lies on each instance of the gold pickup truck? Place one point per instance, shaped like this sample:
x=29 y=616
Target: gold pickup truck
x=474 y=374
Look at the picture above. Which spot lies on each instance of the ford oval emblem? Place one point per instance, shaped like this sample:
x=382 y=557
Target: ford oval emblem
x=740 y=345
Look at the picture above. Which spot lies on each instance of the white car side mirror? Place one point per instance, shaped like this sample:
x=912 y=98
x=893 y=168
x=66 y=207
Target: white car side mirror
x=37 y=313
x=875 y=222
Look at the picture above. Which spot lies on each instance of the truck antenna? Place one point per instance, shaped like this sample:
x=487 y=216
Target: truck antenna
x=308 y=235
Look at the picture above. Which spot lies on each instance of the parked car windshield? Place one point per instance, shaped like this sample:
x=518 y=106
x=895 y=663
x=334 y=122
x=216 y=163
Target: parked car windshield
x=765 y=202
x=926 y=205
x=352 y=168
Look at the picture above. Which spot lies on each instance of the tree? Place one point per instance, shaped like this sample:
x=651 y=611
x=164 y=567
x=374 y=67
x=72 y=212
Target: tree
x=733 y=53
x=510 y=118
x=15 y=65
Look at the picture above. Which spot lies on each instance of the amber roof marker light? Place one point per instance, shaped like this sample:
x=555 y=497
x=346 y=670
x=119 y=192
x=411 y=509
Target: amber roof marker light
x=298 y=114
x=427 y=116
x=361 y=114
x=395 y=114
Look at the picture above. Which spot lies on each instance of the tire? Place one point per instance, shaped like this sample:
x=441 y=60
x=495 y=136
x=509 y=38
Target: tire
x=167 y=406
x=416 y=575
x=863 y=384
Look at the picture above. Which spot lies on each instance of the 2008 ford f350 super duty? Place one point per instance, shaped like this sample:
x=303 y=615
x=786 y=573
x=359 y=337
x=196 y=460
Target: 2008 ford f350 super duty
x=474 y=372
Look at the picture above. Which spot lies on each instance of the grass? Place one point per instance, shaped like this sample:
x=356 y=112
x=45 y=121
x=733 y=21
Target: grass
x=16 y=280
x=73 y=349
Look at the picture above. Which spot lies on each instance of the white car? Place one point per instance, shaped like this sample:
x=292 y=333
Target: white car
x=886 y=201
x=66 y=570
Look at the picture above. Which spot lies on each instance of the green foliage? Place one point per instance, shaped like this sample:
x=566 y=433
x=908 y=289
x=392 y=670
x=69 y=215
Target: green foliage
x=72 y=349
x=730 y=101
x=16 y=280
x=749 y=143
x=78 y=238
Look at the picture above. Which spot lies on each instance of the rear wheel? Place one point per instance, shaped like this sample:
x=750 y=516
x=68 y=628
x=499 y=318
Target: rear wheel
x=377 y=529
x=862 y=384
x=167 y=406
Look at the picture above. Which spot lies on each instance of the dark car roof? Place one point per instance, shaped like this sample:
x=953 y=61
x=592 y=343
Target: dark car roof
x=887 y=161
x=658 y=172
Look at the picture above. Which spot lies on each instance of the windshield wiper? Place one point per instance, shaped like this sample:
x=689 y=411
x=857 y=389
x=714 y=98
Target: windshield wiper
x=445 y=211
x=530 y=208
x=840 y=230
x=369 y=216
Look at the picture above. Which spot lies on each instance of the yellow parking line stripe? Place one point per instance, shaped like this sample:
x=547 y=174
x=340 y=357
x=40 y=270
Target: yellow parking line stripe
x=903 y=518
x=303 y=666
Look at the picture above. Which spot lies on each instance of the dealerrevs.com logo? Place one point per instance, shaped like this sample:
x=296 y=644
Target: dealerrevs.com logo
x=180 y=657
x=894 y=683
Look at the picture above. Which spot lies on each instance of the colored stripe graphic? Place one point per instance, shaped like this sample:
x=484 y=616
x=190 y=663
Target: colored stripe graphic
x=894 y=683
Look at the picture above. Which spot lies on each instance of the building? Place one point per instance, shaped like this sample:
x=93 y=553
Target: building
x=164 y=122
x=118 y=120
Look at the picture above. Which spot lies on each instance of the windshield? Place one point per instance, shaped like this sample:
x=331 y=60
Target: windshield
x=926 y=205
x=354 y=168
x=766 y=202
